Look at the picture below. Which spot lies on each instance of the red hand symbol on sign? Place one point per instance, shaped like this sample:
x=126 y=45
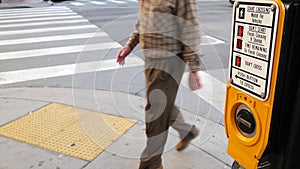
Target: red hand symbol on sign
x=240 y=31
x=238 y=61
x=239 y=44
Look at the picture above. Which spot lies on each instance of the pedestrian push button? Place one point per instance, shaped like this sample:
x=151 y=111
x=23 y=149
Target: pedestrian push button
x=245 y=121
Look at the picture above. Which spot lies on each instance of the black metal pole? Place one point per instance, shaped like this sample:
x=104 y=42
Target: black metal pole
x=285 y=127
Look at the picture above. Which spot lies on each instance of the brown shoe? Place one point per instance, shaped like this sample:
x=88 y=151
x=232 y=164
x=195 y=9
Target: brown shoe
x=183 y=144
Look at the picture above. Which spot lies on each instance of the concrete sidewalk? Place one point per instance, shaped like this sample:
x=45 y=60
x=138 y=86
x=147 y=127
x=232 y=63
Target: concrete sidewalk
x=207 y=151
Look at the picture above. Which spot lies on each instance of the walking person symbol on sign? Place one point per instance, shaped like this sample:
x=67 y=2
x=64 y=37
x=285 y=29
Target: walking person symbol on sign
x=242 y=13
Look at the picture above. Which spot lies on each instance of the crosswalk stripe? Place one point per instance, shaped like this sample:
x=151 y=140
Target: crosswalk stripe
x=57 y=50
x=35 y=12
x=133 y=0
x=38 y=15
x=43 y=23
x=209 y=40
x=39 y=30
x=97 y=2
x=30 y=10
x=65 y=70
x=40 y=19
x=77 y=3
x=51 y=38
x=115 y=1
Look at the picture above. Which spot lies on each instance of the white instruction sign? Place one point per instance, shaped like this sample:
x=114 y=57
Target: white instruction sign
x=254 y=33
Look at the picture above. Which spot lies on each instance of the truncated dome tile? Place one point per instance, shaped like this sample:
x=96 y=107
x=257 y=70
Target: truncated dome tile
x=75 y=132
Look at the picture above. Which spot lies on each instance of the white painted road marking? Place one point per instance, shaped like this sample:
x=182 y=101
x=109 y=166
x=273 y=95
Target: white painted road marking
x=65 y=70
x=97 y=3
x=57 y=50
x=40 y=19
x=51 y=38
x=53 y=29
x=77 y=3
x=209 y=40
x=19 y=25
x=31 y=10
x=115 y=1
x=37 y=15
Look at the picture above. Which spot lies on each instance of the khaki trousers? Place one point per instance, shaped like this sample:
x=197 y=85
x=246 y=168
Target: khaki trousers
x=163 y=78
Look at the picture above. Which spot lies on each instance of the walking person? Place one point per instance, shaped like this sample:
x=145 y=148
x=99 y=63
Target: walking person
x=168 y=33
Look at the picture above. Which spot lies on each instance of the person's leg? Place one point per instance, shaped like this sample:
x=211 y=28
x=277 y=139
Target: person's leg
x=161 y=93
x=186 y=131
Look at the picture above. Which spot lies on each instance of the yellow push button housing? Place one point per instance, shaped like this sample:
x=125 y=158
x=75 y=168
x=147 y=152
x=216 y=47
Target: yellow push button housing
x=257 y=28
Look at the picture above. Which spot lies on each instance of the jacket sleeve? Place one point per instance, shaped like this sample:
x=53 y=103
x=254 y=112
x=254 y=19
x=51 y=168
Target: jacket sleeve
x=134 y=37
x=187 y=12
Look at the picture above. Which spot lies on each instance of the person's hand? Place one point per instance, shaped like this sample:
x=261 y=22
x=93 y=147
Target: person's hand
x=194 y=81
x=122 y=54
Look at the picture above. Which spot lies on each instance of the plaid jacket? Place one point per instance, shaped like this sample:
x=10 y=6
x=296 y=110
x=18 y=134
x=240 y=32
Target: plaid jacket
x=167 y=28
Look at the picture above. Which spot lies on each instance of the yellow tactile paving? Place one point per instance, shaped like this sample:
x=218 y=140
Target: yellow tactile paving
x=71 y=131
